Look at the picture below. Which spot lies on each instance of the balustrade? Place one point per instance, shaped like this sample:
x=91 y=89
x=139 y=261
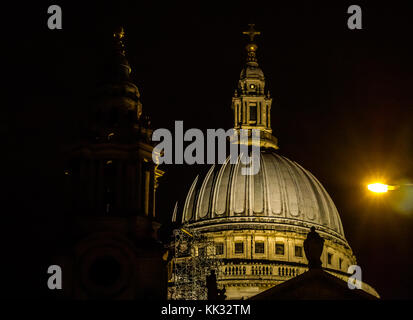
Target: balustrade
x=259 y=270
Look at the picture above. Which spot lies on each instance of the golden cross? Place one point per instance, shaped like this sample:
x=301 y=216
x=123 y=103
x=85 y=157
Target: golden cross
x=119 y=33
x=251 y=32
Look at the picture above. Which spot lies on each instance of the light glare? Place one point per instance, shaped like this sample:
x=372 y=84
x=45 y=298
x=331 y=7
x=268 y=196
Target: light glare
x=378 y=187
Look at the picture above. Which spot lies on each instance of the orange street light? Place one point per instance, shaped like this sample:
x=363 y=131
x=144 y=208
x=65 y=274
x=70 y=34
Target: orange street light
x=379 y=187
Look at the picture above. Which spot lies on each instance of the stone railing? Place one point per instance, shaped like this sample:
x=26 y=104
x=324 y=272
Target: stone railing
x=234 y=270
x=258 y=270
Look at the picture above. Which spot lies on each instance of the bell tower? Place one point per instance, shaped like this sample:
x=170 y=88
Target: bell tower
x=111 y=182
x=110 y=173
x=251 y=103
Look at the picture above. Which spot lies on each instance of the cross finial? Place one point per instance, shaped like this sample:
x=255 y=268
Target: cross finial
x=251 y=32
x=119 y=33
x=118 y=36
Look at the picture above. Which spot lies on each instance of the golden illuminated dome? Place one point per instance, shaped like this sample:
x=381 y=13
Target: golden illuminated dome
x=259 y=222
x=281 y=195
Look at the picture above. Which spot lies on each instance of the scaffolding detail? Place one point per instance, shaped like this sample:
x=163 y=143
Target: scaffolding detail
x=194 y=258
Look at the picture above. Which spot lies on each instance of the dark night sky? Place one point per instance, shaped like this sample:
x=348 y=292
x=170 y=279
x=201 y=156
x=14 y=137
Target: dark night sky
x=343 y=107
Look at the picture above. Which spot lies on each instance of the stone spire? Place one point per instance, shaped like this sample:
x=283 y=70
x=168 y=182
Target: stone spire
x=122 y=64
x=251 y=46
x=251 y=104
x=118 y=108
x=117 y=141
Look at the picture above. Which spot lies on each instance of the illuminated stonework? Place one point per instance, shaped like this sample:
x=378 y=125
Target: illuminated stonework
x=259 y=222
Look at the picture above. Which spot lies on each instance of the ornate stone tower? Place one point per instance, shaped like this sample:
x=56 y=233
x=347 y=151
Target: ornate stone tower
x=251 y=104
x=111 y=182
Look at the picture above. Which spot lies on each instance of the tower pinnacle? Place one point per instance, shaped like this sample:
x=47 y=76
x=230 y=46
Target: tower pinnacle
x=123 y=66
x=251 y=105
x=251 y=32
x=118 y=36
x=251 y=46
x=118 y=107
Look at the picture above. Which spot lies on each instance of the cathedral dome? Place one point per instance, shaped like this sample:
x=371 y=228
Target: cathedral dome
x=281 y=194
x=258 y=223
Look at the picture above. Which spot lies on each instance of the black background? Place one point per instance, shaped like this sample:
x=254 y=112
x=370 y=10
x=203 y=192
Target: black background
x=342 y=108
